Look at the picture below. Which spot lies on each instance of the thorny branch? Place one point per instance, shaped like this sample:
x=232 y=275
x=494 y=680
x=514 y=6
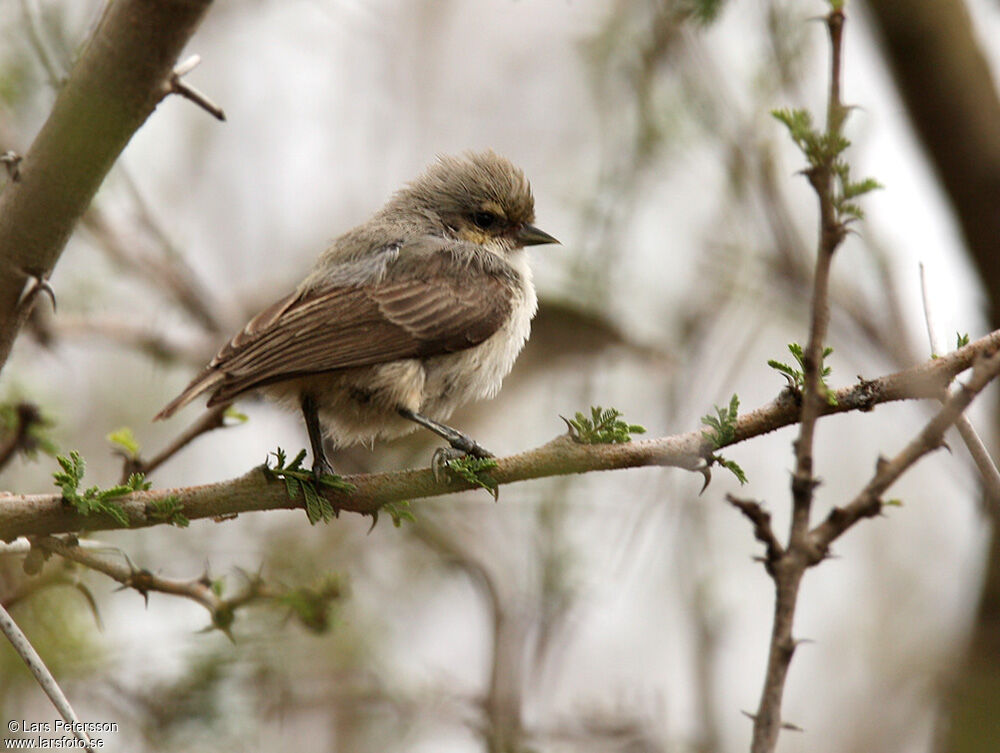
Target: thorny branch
x=977 y=448
x=36 y=514
x=787 y=569
x=199 y=590
x=115 y=84
x=868 y=502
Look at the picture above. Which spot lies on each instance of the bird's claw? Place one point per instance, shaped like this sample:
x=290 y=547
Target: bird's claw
x=439 y=462
x=321 y=467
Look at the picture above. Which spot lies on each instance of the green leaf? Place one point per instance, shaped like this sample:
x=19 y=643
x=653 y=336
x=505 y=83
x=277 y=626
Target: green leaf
x=234 y=414
x=93 y=500
x=168 y=510
x=796 y=377
x=300 y=480
x=734 y=468
x=473 y=470
x=125 y=441
x=399 y=512
x=722 y=426
x=311 y=604
x=603 y=427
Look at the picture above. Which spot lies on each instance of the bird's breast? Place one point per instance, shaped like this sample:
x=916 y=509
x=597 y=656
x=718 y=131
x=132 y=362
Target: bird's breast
x=476 y=373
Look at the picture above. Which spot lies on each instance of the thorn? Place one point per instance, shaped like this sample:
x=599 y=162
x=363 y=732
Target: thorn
x=707 y=473
x=12 y=161
x=946 y=446
x=374 y=521
x=187 y=65
x=35 y=286
x=176 y=86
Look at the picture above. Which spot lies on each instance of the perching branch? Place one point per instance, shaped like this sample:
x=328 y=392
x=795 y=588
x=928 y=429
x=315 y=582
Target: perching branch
x=39 y=514
x=123 y=72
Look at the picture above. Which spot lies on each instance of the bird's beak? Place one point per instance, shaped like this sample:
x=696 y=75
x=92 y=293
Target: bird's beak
x=529 y=235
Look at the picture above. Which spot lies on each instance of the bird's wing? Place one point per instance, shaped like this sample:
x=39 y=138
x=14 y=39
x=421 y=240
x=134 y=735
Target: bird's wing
x=440 y=305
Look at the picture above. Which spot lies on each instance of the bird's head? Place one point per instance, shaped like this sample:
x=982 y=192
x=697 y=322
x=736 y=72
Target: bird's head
x=479 y=197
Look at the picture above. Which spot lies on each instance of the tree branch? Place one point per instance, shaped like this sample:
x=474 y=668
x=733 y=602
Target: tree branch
x=37 y=514
x=868 y=502
x=45 y=679
x=199 y=590
x=121 y=75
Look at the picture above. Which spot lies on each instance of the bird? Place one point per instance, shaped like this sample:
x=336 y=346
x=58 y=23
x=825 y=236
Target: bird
x=419 y=310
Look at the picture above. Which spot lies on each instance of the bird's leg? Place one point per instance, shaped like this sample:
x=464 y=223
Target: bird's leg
x=455 y=438
x=310 y=413
x=461 y=444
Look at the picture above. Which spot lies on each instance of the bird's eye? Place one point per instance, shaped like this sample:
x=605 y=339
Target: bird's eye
x=484 y=220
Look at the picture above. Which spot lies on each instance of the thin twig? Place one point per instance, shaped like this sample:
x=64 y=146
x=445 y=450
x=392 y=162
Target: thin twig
x=170 y=274
x=128 y=334
x=868 y=502
x=763 y=532
x=977 y=448
x=213 y=418
x=55 y=73
x=45 y=679
x=198 y=589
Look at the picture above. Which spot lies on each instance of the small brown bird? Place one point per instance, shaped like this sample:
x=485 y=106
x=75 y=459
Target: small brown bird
x=419 y=310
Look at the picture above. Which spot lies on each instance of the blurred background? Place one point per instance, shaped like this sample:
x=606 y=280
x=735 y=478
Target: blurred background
x=606 y=612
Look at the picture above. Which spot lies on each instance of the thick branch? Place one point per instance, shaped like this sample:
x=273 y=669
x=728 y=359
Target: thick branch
x=122 y=73
x=33 y=514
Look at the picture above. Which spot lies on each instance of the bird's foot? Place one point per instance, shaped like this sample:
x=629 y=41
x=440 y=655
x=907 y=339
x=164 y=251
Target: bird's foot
x=321 y=467
x=439 y=462
x=466 y=445
x=451 y=462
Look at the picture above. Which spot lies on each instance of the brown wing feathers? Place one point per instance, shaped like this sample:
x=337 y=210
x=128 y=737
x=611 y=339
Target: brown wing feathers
x=342 y=327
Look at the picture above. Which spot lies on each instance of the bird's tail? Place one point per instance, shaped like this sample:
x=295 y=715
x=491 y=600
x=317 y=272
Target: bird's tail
x=202 y=383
